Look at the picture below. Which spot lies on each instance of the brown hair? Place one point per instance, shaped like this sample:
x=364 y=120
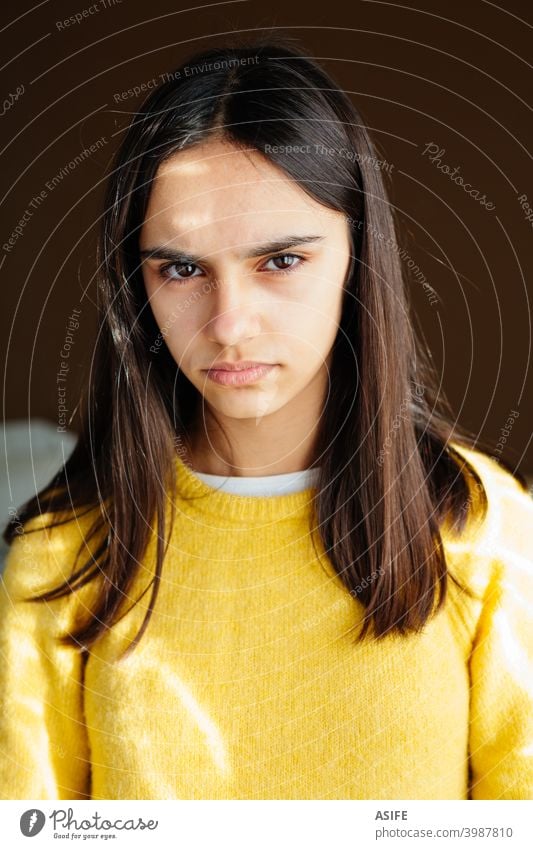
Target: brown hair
x=388 y=473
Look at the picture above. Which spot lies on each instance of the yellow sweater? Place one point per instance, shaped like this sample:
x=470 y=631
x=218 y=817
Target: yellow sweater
x=246 y=685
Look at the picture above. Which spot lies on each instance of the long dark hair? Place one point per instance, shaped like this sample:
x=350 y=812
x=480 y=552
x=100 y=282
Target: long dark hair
x=389 y=475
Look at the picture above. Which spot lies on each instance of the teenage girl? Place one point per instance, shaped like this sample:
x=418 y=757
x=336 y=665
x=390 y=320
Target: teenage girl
x=273 y=567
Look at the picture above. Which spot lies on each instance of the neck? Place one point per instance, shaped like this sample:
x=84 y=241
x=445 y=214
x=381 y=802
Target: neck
x=278 y=444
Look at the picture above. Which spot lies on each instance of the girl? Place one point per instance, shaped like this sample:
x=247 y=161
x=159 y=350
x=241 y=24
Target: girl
x=273 y=567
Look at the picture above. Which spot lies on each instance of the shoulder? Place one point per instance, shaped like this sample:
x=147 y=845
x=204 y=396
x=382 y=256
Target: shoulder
x=496 y=546
x=44 y=552
x=509 y=505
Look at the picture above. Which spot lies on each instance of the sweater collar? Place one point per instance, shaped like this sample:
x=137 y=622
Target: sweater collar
x=200 y=496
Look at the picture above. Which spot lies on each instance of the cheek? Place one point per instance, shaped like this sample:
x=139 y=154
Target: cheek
x=182 y=339
x=179 y=323
x=314 y=322
x=157 y=302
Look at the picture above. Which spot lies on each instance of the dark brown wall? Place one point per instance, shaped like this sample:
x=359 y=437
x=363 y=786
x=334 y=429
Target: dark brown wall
x=449 y=73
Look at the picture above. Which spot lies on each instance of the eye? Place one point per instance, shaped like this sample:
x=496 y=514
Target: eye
x=300 y=260
x=163 y=270
x=186 y=271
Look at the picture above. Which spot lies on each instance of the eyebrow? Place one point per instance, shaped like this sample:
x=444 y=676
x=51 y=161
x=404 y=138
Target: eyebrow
x=281 y=244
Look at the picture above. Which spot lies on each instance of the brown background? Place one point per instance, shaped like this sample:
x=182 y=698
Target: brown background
x=452 y=73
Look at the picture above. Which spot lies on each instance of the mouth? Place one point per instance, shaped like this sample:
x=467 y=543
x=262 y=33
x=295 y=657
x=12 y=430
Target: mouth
x=239 y=374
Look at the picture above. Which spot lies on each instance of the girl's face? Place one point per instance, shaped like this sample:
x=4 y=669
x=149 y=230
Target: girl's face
x=222 y=291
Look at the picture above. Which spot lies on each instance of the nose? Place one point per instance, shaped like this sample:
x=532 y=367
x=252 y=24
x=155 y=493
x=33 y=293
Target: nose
x=233 y=316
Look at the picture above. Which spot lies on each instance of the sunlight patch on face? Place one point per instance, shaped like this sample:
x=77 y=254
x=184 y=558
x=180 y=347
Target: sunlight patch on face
x=264 y=402
x=181 y=222
x=183 y=167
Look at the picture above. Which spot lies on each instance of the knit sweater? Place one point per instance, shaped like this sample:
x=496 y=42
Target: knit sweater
x=247 y=683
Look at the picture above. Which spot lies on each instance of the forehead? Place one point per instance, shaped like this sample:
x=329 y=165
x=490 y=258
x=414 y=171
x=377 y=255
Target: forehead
x=218 y=192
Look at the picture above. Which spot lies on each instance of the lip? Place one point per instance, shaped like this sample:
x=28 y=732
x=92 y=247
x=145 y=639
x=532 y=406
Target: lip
x=237 y=375
x=242 y=364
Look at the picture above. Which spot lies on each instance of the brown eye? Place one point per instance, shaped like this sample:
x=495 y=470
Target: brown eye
x=163 y=271
x=284 y=257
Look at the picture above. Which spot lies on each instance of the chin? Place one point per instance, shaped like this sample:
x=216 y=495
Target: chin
x=245 y=408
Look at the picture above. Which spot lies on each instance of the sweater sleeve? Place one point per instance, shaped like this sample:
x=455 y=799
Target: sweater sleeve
x=501 y=659
x=44 y=752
